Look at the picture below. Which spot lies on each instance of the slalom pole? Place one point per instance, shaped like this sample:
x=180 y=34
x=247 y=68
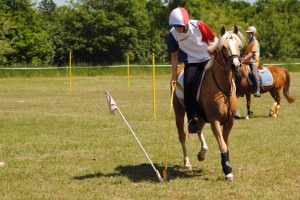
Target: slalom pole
x=153 y=86
x=128 y=71
x=112 y=107
x=166 y=174
x=70 y=73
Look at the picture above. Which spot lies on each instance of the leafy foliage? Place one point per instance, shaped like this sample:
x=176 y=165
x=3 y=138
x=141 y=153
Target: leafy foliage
x=105 y=31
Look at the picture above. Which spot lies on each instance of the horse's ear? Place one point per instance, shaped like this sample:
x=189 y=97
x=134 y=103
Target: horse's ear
x=223 y=30
x=236 y=30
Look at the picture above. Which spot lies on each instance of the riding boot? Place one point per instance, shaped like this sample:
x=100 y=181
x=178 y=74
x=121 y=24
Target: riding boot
x=255 y=72
x=257 y=93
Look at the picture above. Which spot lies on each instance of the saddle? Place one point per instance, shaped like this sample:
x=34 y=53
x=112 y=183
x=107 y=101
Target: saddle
x=265 y=75
x=179 y=90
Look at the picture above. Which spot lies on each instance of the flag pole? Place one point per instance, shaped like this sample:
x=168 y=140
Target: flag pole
x=112 y=107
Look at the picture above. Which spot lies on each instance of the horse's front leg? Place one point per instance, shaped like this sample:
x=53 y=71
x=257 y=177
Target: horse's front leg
x=248 y=101
x=216 y=128
x=204 y=147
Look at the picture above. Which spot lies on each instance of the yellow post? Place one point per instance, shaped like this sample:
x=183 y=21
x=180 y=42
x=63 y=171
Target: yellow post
x=153 y=86
x=128 y=70
x=166 y=175
x=70 y=73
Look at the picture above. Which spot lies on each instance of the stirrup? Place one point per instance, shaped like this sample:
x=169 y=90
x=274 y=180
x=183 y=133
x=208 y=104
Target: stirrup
x=193 y=126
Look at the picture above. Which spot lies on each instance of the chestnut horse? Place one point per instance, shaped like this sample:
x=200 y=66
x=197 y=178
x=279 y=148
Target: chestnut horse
x=280 y=78
x=216 y=98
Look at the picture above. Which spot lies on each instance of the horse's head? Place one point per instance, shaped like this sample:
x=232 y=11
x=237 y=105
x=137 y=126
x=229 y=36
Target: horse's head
x=229 y=47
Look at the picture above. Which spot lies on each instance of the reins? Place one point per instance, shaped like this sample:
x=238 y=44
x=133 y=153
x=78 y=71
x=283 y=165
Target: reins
x=228 y=63
x=227 y=66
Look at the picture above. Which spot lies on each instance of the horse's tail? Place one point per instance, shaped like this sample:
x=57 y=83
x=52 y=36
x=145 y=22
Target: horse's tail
x=286 y=88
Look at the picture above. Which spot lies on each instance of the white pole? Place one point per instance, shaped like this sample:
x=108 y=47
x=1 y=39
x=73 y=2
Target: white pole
x=156 y=171
x=113 y=106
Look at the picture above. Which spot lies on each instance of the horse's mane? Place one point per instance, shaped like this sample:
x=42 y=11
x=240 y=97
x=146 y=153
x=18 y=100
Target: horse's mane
x=239 y=37
x=218 y=45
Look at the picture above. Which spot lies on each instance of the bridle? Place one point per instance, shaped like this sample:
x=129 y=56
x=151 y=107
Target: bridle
x=229 y=64
x=229 y=59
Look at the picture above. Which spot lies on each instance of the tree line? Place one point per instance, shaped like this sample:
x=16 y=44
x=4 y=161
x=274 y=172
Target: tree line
x=105 y=31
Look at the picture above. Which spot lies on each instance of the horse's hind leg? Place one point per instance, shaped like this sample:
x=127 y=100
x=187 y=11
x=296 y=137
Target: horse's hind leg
x=204 y=147
x=179 y=117
x=275 y=109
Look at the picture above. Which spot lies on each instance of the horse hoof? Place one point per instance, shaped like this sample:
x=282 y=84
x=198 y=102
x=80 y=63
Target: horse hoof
x=187 y=164
x=229 y=177
x=238 y=115
x=201 y=154
x=247 y=117
x=274 y=115
x=189 y=167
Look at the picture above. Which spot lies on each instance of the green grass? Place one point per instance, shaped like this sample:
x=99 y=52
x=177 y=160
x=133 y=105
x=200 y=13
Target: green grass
x=57 y=146
x=80 y=71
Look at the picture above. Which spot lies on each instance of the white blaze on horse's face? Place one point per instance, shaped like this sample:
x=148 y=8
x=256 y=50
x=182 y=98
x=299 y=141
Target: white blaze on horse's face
x=232 y=43
x=234 y=51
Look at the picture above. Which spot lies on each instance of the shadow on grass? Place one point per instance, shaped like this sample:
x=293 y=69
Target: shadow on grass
x=144 y=172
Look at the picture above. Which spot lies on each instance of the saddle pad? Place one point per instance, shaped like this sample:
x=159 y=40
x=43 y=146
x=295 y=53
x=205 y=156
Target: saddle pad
x=179 y=86
x=266 y=77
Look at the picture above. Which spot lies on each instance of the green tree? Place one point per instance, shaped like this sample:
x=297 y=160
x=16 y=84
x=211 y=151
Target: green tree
x=47 y=7
x=5 y=42
x=277 y=23
x=29 y=41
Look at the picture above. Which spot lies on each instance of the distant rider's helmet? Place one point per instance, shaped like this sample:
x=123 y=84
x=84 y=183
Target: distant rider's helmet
x=179 y=17
x=251 y=29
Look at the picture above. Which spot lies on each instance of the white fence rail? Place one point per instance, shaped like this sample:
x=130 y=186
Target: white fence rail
x=110 y=66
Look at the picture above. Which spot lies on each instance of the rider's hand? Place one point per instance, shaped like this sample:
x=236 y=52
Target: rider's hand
x=243 y=60
x=172 y=84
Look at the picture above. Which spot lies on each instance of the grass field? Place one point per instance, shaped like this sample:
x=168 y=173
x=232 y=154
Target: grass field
x=57 y=146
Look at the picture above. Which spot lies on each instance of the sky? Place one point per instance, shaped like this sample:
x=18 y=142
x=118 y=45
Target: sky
x=57 y=2
x=61 y=2
x=65 y=2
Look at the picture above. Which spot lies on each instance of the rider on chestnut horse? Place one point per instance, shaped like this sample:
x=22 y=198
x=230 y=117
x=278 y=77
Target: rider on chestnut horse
x=251 y=57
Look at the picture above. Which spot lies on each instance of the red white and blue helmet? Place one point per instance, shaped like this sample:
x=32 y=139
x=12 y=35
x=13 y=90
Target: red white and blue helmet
x=251 y=29
x=179 y=17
